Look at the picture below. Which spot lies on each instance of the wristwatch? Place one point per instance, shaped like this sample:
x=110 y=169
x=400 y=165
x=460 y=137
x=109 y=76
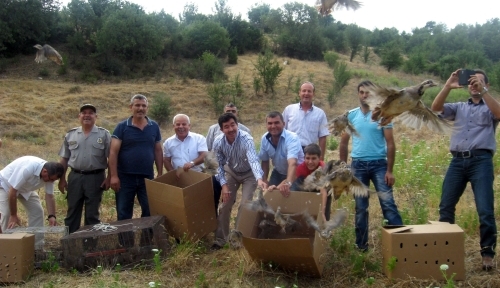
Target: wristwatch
x=192 y=163
x=288 y=183
x=484 y=90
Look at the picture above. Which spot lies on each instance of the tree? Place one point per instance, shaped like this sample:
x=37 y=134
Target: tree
x=130 y=34
x=204 y=36
x=391 y=56
x=268 y=70
x=354 y=39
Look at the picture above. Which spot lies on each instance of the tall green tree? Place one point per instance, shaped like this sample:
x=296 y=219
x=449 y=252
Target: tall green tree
x=391 y=56
x=354 y=40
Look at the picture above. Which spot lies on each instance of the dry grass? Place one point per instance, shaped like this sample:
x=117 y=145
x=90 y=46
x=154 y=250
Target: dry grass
x=37 y=113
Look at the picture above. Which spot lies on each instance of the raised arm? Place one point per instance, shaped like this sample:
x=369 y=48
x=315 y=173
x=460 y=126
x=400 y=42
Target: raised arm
x=451 y=83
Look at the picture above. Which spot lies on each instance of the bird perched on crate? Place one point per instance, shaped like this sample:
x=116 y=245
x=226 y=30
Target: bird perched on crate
x=406 y=104
x=235 y=239
x=341 y=124
x=286 y=222
x=46 y=51
x=211 y=164
x=326 y=231
x=325 y=7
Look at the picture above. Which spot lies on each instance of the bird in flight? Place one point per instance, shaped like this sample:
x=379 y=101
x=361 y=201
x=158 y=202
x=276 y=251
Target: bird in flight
x=325 y=7
x=407 y=106
x=47 y=52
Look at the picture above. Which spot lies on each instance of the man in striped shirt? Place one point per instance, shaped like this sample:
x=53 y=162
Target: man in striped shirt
x=238 y=165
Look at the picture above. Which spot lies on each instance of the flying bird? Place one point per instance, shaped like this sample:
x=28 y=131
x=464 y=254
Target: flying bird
x=341 y=124
x=259 y=204
x=326 y=231
x=285 y=221
x=325 y=7
x=336 y=177
x=46 y=51
x=406 y=105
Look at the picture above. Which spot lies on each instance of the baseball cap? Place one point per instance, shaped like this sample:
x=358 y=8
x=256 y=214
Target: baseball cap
x=85 y=106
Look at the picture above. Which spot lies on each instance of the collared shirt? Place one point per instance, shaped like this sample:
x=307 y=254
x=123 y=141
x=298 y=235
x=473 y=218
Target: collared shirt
x=371 y=145
x=474 y=123
x=309 y=125
x=182 y=152
x=240 y=156
x=288 y=147
x=86 y=152
x=215 y=131
x=23 y=174
x=137 y=150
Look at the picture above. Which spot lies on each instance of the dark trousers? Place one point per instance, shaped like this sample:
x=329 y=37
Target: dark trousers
x=83 y=189
x=478 y=170
x=130 y=186
x=217 y=192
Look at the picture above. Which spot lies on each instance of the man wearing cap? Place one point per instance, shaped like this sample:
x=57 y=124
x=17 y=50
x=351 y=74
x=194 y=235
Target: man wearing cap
x=85 y=149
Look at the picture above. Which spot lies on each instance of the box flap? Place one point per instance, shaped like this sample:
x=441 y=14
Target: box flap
x=397 y=228
x=15 y=235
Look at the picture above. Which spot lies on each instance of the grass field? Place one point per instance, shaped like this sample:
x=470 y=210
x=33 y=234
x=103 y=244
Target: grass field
x=36 y=113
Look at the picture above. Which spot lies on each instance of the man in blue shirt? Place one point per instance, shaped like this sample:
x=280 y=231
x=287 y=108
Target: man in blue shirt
x=135 y=145
x=283 y=147
x=373 y=154
x=472 y=146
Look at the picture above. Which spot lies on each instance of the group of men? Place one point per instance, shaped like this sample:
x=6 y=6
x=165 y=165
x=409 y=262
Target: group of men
x=295 y=144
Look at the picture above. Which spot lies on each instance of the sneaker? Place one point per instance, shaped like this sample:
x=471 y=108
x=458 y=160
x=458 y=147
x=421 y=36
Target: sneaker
x=487 y=263
x=215 y=247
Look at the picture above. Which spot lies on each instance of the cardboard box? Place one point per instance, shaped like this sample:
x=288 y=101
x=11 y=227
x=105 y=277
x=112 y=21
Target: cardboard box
x=420 y=250
x=17 y=254
x=186 y=202
x=299 y=251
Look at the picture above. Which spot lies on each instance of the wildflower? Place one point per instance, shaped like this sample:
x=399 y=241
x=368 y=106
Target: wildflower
x=444 y=267
x=155 y=250
x=152 y=284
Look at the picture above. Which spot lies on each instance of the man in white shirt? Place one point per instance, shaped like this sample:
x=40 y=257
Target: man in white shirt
x=184 y=149
x=306 y=120
x=18 y=181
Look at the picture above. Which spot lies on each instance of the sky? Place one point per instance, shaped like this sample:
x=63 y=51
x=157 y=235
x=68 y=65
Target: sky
x=404 y=15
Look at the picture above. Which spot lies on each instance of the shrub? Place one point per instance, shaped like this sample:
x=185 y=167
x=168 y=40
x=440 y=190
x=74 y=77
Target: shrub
x=205 y=36
x=160 y=108
x=211 y=67
x=331 y=58
x=341 y=76
x=268 y=69
x=217 y=92
x=232 y=56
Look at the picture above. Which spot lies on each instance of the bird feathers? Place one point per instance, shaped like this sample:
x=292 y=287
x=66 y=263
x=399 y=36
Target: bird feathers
x=326 y=7
x=341 y=124
x=46 y=51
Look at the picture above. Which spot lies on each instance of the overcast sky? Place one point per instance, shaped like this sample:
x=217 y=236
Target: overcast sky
x=404 y=15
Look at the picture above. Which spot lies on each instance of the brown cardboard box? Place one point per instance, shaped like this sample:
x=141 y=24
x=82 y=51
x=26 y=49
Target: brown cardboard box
x=17 y=255
x=420 y=250
x=299 y=251
x=186 y=202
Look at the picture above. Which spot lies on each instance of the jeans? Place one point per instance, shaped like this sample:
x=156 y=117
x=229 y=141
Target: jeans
x=131 y=185
x=375 y=171
x=477 y=170
x=276 y=178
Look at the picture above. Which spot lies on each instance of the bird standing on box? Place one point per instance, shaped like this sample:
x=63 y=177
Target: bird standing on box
x=406 y=104
x=325 y=7
x=46 y=51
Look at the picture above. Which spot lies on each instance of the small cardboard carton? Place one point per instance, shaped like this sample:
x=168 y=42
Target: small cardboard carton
x=17 y=255
x=298 y=251
x=187 y=202
x=420 y=250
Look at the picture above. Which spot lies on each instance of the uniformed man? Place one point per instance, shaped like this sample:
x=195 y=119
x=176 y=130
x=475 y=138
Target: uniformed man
x=85 y=149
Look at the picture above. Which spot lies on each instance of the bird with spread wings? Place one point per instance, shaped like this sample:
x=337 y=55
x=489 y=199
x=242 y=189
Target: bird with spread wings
x=47 y=52
x=325 y=7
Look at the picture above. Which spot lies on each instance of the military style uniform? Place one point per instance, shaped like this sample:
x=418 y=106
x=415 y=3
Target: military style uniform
x=88 y=158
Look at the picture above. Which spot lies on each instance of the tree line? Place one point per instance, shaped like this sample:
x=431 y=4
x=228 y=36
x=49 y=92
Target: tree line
x=117 y=35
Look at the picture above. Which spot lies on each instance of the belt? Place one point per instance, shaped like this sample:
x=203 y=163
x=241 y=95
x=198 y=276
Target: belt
x=87 y=172
x=470 y=153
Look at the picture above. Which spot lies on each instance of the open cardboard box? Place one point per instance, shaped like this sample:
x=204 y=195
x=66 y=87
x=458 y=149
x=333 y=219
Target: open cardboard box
x=420 y=250
x=17 y=256
x=187 y=202
x=298 y=251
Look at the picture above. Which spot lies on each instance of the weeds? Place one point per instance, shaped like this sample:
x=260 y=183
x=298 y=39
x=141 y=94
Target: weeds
x=391 y=264
x=51 y=264
x=449 y=281
x=157 y=260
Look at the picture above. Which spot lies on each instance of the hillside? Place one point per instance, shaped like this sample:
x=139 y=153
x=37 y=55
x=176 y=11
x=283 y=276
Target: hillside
x=36 y=113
